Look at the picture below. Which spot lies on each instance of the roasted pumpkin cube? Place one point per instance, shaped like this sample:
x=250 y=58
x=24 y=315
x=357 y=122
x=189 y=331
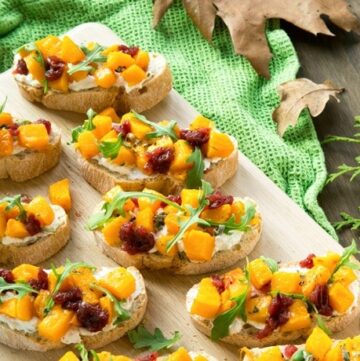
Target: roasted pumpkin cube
x=69 y=356
x=207 y=301
x=110 y=49
x=107 y=304
x=340 y=297
x=161 y=244
x=24 y=308
x=344 y=275
x=16 y=229
x=219 y=145
x=220 y=214
x=257 y=308
x=329 y=261
x=172 y=223
x=103 y=125
x=120 y=282
x=110 y=112
x=87 y=144
x=271 y=354
x=61 y=84
x=133 y=75
x=3 y=222
x=179 y=355
x=111 y=230
x=40 y=303
x=299 y=317
x=238 y=210
x=318 y=343
x=35 y=68
x=55 y=325
x=201 y=122
x=33 y=136
x=78 y=76
x=260 y=273
x=118 y=59
x=142 y=59
x=6 y=143
x=286 y=282
x=145 y=202
x=200 y=358
x=42 y=210
x=6 y=119
x=59 y=193
x=71 y=52
x=318 y=275
x=138 y=128
x=191 y=197
x=145 y=218
x=109 y=195
x=8 y=308
x=334 y=354
x=105 y=77
x=199 y=245
x=25 y=272
x=182 y=152
x=111 y=136
x=49 y=46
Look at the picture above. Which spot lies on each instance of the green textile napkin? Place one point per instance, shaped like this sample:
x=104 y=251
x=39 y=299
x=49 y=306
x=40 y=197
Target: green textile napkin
x=219 y=84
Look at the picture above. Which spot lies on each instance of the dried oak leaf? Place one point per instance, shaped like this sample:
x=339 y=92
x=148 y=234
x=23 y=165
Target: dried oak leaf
x=299 y=94
x=246 y=20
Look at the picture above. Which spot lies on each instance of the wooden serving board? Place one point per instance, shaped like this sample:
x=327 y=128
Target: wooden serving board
x=289 y=233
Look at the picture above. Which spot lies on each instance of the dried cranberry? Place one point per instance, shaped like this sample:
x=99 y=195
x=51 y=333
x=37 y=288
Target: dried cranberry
x=32 y=225
x=136 y=239
x=197 y=137
x=308 y=262
x=172 y=198
x=7 y=275
x=320 y=298
x=159 y=159
x=92 y=317
x=21 y=67
x=46 y=123
x=218 y=282
x=124 y=128
x=147 y=357
x=136 y=202
x=132 y=50
x=42 y=281
x=69 y=299
x=55 y=68
x=289 y=350
x=14 y=129
x=217 y=199
x=25 y=198
x=265 y=332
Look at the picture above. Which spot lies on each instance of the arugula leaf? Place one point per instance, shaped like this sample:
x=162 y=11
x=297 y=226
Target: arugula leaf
x=110 y=148
x=348 y=221
x=27 y=47
x=196 y=173
x=68 y=268
x=273 y=265
x=40 y=59
x=95 y=356
x=88 y=125
x=320 y=322
x=22 y=288
x=346 y=355
x=141 y=338
x=92 y=56
x=302 y=355
x=15 y=201
x=121 y=313
x=2 y=106
x=160 y=130
x=349 y=251
x=84 y=353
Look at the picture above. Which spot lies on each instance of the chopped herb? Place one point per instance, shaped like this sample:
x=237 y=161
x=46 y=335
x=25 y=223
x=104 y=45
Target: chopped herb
x=96 y=357
x=83 y=352
x=141 y=338
x=88 y=125
x=110 y=148
x=2 y=106
x=27 y=47
x=13 y=202
x=320 y=322
x=196 y=173
x=345 y=355
x=349 y=252
x=273 y=265
x=21 y=288
x=40 y=59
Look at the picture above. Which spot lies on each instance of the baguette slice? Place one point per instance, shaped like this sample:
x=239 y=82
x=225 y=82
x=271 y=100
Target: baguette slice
x=23 y=341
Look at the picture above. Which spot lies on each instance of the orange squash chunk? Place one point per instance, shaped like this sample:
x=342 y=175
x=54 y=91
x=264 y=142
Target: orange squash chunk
x=340 y=297
x=182 y=152
x=329 y=261
x=220 y=215
x=286 y=282
x=219 y=145
x=199 y=245
x=133 y=74
x=111 y=230
x=70 y=52
x=138 y=128
x=110 y=112
x=299 y=317
x=125 y=156
x=24 y=308
x=69 y=356
x=145 y=218
x=118 y=59
x=318 y=343
x=257 y=308
x=25 y=272
x=87 y=144
x=201 y=122
x=161 y=244
x=105 y=77
x=318 y=275
x=59 y=193
x=180 y=355
x=6 y=119
x=238 y=210
x=260 y=273
x=33 y=136
x=103 y=125
x=34 y=67
x=6 y=143
x=142 y=59
x=191 y=197
x=16 y=229
x=40 y=303
x=8 y=308
x=207 y=301
x=3 y=221
x=49 y=46
x=79 y=75
x=107 y=305
x=42 y=210
x=61 y=84
x=110 y=49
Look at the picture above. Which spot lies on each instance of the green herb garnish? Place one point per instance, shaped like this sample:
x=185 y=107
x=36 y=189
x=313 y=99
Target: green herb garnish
x=21 y=288
x=27 y=47
x=196 y=173
x=349 y=252
x=15 y=201
x=273 y=265
x=83 y=352
x=2 y=106
x=88 y=125
x=348 y=221
x=320 y=322
x=141 y=338
x=110 y=148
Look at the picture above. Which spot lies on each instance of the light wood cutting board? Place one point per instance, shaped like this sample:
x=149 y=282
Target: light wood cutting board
x=289 y=233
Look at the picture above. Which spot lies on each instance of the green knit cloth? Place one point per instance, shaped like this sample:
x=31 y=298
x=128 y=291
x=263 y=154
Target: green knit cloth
x=218 y=83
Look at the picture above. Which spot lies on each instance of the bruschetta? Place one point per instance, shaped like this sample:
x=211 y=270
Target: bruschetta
x=269 y=304
x=137 y=153
x=27 y=148
x=63 y=75
x=196 y=232
x=44 y=309
x=31 y=229
x=318 y=346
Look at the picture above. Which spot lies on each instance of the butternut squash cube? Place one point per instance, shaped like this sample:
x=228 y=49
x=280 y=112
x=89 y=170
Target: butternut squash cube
x=35 y=68
x=145 y=218
x=199 y=245
x=6 y=143
x=180 y=355
x=6 y=119
x=59 y=193
x=107 y=304
x=87 y=144
x=236 y=288
x=219 y=145
x=69 y=356
x=286 y=282
x=238 y=210
x=257 y=308
x=111 y=136
x=33 y=136
x=271 y=354
x=105 y=77
x=201 y=122
x=220 y=215
x=345 y=276
x=24 y=308
x=61 y=84
x=200 y=358
x=103 y=125
x=3 y=222
x=138 y=128
x=318 y=343
x=191 y=197
x=8 y=308
x=299 y=317
x=125 y=157
x=182 y=152
x=329 y=261
x=40 y=303
x=318 y=275
x=111 y=230
x=71 y=52
x=16 y=229
x=55 y=325
x=145 y=202
x=207 y=301
x=49 y=46
x=78 y=76
x=110 y=49
x=110 y=112
x=161 y=244
x=109 y=196
x=340 y=297
x=118 y=59
x=42 y=210
x=142 y=59
x=120 y=282
x=25 y=272
x=334 y=354
x=260 y=273
x=133 y=75
x=172 y=223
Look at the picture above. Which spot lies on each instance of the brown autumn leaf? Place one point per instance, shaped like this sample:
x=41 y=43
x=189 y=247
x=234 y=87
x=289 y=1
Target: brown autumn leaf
x=299 y=94
x=246 y=20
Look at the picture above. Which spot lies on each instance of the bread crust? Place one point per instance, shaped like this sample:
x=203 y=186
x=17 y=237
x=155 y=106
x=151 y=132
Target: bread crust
x=153 y=91
x=21 y=341
x=42 y=249
x=221 y=259
x=30 y=164
x=102 y=179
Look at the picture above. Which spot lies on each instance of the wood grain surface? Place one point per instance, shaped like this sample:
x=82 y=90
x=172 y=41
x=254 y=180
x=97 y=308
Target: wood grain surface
x=289 y=233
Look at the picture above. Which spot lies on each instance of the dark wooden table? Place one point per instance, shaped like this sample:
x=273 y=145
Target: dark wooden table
x=338 y=59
